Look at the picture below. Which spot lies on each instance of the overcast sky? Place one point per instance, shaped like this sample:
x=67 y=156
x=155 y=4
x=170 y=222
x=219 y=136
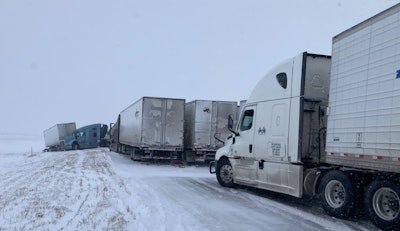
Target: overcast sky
x=84 y=61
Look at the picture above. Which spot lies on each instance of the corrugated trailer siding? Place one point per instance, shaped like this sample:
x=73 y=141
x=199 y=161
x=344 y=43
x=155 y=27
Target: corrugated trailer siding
x=364 y=116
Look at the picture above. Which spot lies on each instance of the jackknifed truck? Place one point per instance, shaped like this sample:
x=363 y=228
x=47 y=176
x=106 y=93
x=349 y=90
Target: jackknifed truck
x=54 y=136
x=327 y=127
x=65 y=136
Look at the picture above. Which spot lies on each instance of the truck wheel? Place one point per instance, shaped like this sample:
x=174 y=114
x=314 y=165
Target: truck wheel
x=382 y=203
x=225 y=173
x=75 y=147
x=337 y=194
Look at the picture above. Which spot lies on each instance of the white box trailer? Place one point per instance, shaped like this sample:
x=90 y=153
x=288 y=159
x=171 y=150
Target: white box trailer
x=152 y=128
x=327 y=128
x=364 y=104
x=206 y=128
x=54 y=136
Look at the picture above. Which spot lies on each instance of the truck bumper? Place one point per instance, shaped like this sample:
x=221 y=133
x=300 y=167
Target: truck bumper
x=213 y=167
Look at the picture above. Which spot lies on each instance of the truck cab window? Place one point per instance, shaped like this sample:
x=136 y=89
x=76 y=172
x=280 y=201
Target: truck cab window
x=247 y=120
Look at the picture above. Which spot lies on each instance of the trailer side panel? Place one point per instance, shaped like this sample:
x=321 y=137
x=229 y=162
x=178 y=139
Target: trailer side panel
x=364 y=112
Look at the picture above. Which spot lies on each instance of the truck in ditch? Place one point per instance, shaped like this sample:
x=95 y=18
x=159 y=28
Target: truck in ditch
x=206 y=128
x=54 y=136
x=152 y=128
x=90 y=136
x=327 y=126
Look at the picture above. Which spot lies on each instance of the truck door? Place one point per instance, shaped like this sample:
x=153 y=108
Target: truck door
x=81 y=138
x=242 y=149
x=92 y=137
x=274 y=170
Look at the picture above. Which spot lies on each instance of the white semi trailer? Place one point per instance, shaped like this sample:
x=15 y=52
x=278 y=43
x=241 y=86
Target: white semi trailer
x=327 y=127
x=54 y=136
x=152 y=128
x=206 y=128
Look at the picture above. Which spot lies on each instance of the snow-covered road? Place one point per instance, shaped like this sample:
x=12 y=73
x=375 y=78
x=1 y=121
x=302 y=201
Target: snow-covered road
x=171 y=198
x=101 y=190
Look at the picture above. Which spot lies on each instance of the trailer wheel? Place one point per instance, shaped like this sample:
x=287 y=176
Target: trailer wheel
x=337 y=194
x=382 y=202
x=225 y=173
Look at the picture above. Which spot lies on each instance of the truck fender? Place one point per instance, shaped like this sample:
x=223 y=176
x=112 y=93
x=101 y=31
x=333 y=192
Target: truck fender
x=311 y=179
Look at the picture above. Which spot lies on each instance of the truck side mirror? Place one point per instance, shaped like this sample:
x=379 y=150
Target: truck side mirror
x=230 y=122
x=230 y=126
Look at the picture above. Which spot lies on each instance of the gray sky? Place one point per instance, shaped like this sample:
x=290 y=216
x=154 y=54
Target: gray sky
x=85 y=61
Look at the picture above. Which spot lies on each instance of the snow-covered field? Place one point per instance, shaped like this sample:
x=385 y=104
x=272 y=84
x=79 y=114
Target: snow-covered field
x=57 y=191
x=100 y=190
x=15 y=143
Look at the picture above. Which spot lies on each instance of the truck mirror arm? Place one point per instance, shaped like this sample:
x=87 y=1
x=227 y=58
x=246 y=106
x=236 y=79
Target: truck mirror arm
x=217 y=138
x=234 y=132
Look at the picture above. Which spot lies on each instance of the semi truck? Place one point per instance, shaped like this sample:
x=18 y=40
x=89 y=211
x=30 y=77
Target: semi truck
x=90 y=136
x=152 y=128
x=54 y=136
x=206 y=128
x=327 y=127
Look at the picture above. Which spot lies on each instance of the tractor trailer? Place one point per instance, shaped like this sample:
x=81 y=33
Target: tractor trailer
x=327 y=126
x=152 y=128
x=65 y=136
x=206 y=128
x=54 y=136
x=90 y=136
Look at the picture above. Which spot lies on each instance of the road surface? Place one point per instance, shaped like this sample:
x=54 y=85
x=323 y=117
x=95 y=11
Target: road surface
x=173 y=198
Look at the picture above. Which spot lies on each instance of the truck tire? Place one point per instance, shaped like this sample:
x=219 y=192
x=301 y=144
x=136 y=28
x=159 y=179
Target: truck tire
x=337 y=194
x=382 y=203
x=75 y=146
x=225 y=173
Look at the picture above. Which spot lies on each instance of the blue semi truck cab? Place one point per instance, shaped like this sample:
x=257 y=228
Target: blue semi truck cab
x=90 y=136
